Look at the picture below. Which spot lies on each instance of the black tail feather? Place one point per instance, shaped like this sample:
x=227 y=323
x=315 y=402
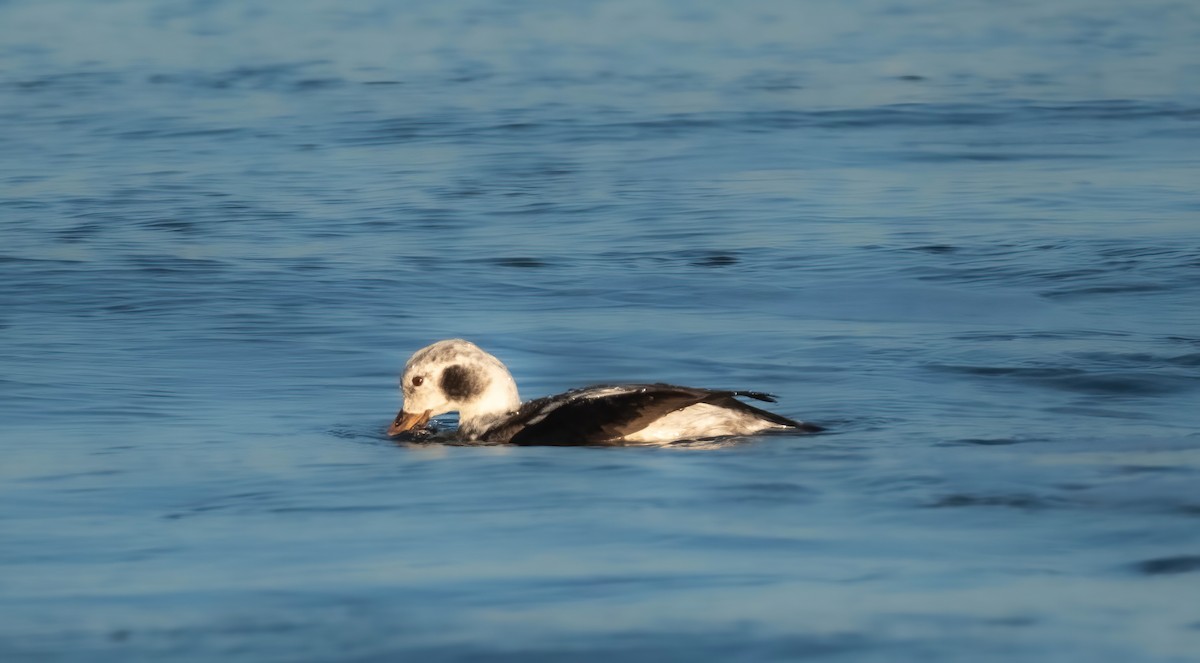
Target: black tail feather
x=727 y=400
x=758 y=396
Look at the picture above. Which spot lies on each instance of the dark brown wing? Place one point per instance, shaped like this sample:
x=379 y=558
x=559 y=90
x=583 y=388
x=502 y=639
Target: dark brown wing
x=595 y=415
x=605 y=414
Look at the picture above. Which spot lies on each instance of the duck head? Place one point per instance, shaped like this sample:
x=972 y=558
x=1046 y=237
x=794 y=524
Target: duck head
x=454 y=376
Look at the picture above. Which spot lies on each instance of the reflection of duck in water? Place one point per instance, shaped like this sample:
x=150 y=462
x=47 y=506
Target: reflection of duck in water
x=456 y=376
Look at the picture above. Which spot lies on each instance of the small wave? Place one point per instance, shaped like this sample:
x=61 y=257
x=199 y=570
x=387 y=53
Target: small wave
x=1168 y=565
x=1081 y=381
x=519 y=262
x=989 y=442
x=1062 y=271
x=1016 y=501
x=280 y=76
x=1111 y=289
x=547 y=123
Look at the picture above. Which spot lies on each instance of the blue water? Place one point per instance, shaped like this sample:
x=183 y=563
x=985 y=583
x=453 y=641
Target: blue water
x=964 y=236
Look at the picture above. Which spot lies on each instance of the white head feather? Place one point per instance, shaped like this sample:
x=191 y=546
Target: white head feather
x=457 y=376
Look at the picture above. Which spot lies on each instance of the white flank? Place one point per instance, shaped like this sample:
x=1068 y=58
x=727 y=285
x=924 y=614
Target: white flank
x=697 y=421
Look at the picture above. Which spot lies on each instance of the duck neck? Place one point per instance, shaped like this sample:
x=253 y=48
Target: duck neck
x=500 y=400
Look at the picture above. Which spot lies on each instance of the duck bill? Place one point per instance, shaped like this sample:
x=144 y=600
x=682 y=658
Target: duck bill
x=406 y=421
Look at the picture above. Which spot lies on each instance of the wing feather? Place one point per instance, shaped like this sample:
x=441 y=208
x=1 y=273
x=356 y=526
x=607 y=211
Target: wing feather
x=604 y=414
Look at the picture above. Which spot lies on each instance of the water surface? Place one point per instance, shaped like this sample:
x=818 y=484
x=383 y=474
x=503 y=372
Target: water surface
x=963 y=236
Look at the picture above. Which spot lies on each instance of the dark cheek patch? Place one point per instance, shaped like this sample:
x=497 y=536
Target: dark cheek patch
x=460 y=384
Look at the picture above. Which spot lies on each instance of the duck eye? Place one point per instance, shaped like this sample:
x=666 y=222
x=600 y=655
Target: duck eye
x=417 y=380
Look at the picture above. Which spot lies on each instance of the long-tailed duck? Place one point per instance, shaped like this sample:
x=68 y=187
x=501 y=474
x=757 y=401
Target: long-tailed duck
x=456 y=375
